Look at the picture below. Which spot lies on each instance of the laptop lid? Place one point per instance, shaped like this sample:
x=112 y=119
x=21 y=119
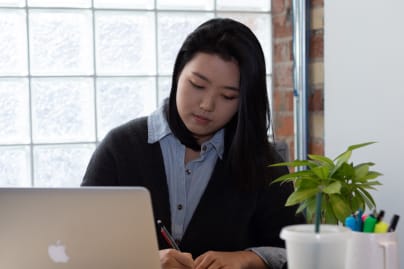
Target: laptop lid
x=77 y=228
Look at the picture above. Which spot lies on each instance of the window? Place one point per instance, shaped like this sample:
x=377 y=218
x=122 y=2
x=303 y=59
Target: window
x=70 y=70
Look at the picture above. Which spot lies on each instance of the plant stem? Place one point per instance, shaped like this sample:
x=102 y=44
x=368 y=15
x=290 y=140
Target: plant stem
x=318 y=211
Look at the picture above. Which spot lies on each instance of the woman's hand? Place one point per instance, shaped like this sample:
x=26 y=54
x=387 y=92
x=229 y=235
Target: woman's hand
x=229 y=260
x=174 y=259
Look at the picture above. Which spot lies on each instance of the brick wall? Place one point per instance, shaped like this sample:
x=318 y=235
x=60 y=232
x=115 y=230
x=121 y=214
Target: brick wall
x=283 y=75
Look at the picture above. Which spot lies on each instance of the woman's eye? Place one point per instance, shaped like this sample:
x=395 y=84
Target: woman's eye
x=196 y=85
x=229 y=97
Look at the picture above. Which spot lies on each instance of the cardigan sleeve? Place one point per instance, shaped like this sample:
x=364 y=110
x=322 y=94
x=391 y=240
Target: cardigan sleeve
x=270 y=217
x=273 y=257
x=117 y=157
x=102 y=169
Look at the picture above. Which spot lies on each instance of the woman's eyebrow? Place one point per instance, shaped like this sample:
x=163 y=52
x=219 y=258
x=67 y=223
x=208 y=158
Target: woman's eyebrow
x=201 y=76
x=207 y=80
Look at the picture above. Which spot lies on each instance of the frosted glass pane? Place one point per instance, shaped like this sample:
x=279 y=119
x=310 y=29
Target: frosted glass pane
x=61 y=42
x=59 y=3
x=12 y=3
x=140 y=4
x=261 y=25
x=61 y=166
x=13 y=43
x=269 y=86
x=122 y=99
x=164 y=89
x=173 y=28
x=15 y=167
x=62 y=110
x=14 y=113
x=259 y=5
x=185 y=4
x=125 y=43
x=269 y=91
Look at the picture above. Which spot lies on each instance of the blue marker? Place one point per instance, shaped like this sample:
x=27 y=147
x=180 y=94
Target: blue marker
x=352 y=223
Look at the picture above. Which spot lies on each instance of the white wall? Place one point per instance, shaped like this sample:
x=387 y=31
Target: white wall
x=364 y=91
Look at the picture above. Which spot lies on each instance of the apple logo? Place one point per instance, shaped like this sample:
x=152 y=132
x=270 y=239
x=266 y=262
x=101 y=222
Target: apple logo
x=57 y=252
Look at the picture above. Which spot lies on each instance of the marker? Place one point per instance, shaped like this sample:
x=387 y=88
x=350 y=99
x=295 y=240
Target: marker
x=352 y=223
x=369 y=224
x=167 y=236
x=381 y=227
x=393 y=223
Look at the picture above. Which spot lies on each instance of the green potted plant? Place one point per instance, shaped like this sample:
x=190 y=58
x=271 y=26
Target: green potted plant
x=344 y=186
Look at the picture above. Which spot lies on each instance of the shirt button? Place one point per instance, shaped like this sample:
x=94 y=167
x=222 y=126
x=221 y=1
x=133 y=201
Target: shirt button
x=179 y=206
x=188 y=171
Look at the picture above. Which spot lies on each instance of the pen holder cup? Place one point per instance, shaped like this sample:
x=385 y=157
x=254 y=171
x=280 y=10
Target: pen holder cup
x=373 y=251
x=306 y=249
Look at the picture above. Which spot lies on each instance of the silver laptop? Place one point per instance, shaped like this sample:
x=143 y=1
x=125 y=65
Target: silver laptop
x=77 y=228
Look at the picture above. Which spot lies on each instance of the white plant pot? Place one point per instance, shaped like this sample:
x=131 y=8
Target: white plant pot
x=309 y=250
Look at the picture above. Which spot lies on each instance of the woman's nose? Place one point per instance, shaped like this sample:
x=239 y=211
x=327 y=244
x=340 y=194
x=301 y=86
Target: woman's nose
x=207 y=103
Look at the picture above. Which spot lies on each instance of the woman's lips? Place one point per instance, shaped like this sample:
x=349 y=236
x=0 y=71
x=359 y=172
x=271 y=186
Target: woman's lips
x=201 y=119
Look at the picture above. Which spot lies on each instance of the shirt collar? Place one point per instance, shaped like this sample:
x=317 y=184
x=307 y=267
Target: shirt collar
x=217 y=142
x=158 y=128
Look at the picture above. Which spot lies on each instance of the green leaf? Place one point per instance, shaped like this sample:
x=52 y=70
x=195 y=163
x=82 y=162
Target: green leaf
x=345 y=171
x=371 y=175
x=343 y=158
x=295 y=163
x=310 y=210
x=361 y=171
x=367 y=163
x=367 y=198
x=309 y=215
x=301 y=207
x=322 y=172
x=306 y=184
x=307 y=174
x=340 y=160
x=340 y=206
x=353 y=147
x=329 y=215
x=334 y=187
x=370 y=184
x=300 y=195
x=322 y=159
x=357 y=202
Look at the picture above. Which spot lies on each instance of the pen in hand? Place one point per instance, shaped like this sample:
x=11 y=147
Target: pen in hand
x=167 y=236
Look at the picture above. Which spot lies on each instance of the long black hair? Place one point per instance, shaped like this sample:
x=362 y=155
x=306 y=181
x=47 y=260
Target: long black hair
x=247 y=149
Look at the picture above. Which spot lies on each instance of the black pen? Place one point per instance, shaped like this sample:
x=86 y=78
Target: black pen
x=167 y=236
x=380 y=216
x=393 y=223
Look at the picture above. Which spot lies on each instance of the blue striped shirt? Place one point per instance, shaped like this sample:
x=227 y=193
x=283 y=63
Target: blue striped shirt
x=186 y=181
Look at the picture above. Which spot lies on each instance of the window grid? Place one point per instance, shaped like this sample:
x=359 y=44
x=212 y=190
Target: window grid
x=31 y=145
x=95 y=76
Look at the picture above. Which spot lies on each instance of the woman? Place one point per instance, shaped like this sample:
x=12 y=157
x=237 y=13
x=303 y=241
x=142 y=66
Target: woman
x=204 y=156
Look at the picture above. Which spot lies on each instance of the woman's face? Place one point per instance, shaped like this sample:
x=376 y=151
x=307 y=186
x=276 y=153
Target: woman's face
x=208 y=94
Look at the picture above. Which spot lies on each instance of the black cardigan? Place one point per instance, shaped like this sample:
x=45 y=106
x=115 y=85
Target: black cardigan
x=225 y=219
